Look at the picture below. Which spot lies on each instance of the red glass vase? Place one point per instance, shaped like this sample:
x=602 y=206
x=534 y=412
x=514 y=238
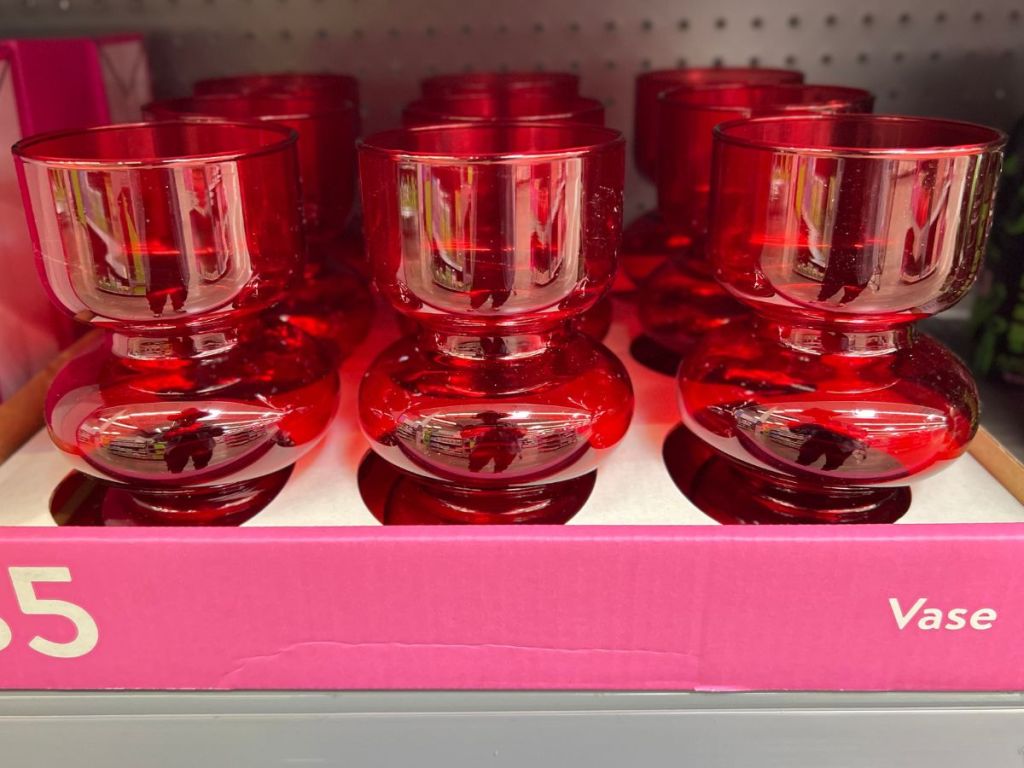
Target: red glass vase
x=651 y=85
x=681 y=299
x=329 y=300
x=339 y=89
x=492 y=237
x=647 y=240
x=559 y=84
x=839 y=232
x=175 y=238
x=519 y=105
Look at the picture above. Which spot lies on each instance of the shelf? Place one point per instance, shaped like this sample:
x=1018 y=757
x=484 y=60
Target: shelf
x=468 y=730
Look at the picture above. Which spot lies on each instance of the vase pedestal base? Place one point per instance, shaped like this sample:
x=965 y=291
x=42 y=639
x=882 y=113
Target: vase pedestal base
x=84 y=500
x=733 y=494
x=396 y=497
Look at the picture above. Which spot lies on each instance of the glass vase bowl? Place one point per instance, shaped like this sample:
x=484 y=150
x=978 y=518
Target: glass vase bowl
x=349 y=248
x=682 y=300
x=838 y=232
x=651 y=85
x=519 y=105
x=492 y=237
x=330 y=300
x=647 y=237
x=175 y=238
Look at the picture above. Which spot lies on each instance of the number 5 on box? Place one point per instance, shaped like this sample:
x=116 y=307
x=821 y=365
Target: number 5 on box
x=87 y=633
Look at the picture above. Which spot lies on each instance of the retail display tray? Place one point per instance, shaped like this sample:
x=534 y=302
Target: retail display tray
x=639 y=591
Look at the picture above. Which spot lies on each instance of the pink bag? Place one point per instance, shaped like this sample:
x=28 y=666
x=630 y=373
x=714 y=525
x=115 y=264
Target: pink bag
x=48 y=85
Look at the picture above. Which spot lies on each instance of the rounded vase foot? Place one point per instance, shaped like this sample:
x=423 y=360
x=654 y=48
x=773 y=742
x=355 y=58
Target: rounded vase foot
x=82 y=500
x=399 y=498
x=733 y=494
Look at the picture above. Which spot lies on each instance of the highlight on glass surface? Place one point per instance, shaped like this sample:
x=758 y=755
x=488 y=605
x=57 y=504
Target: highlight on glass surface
x=562 y=84
x=839 y=232
x=492 y=237
x=527 y=105
x=682 y=300
x=175 y=238
x=330 y=300
x=644 y=238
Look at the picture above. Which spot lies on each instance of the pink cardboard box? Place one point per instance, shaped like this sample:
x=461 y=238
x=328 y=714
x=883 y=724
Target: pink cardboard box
x=640 y=591
x=48 y=85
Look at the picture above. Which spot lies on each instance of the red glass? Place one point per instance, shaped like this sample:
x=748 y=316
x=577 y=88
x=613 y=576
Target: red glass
x=396 y=497
x=682 y=301
x=349 y=247
x=491 y=237
x=523 y=105
x=650 y=86
x=560 y=84
x=648 y=238
x=176 y=238
x=839 y=232
x=327 y=87
x=489 y=107
x=330 y=300
x=340 y=87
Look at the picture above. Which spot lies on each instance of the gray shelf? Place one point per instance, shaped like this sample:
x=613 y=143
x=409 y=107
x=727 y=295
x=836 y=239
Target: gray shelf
x=468 y=730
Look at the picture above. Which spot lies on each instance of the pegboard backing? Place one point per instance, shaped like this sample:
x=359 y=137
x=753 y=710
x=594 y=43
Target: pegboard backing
x=952 y=58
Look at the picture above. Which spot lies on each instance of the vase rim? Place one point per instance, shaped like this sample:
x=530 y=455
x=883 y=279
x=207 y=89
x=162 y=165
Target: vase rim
x=262 y=107
x=580 y=140
x=817 y=96
x=888 y=136
x=58 y=148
